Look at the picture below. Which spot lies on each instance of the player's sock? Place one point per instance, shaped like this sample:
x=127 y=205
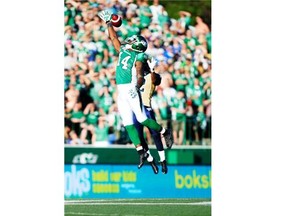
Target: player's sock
x=150 y=123
x=163 y=130
x=140 y=149
x=161 y=155
x=150 y=158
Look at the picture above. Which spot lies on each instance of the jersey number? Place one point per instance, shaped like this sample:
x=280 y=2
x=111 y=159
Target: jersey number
x=124 y=61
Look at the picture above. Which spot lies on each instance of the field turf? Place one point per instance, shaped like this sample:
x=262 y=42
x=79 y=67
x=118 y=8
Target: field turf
x=138 y=207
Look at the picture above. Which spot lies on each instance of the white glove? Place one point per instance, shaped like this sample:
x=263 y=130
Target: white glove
x=105 y=15
x=151 y=63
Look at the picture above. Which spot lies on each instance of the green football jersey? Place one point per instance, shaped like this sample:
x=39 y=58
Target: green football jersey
x=125 y=69
x=143 y=57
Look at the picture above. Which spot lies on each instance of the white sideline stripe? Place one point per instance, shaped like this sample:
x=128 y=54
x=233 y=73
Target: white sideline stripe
x=140 y=203
x=80 y=213
x=92 y=214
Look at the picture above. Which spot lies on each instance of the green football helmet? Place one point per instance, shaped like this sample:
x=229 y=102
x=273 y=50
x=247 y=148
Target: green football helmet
x=138 y=43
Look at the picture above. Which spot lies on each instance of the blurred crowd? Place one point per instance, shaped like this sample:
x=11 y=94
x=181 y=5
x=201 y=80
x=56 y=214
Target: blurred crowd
x=183 y=53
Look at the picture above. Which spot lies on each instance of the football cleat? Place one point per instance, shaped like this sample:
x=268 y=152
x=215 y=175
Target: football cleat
x=154 y=166
x=142 y=158
x=164 y=166
x=168 y=138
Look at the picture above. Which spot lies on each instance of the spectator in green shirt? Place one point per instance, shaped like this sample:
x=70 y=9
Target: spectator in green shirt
x=101 y=131
x=130 y=28
x=191 y=40
x=91 y=117
x=156 y=10
x=69 y=14
x=160 y=107
x=113 y=88
x=178 y=110
x=197 y=95
x=102 y=50
x=98 y=64
x=106 y=99
x=96 y=85
x=185 y=19
x=77 y=117
x=145 y=14
x=200 y=124
x=180 y=79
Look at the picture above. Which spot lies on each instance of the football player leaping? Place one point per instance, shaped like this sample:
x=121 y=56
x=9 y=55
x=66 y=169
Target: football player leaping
x=152 y=80
x=129 y=79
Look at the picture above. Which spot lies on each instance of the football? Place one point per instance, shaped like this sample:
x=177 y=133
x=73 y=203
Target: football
x=116 y=20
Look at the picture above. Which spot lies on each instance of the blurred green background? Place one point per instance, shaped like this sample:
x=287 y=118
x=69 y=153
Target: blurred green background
x=200 y=8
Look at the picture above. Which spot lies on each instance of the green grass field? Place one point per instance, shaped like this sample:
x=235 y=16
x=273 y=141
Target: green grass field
x=138 y=207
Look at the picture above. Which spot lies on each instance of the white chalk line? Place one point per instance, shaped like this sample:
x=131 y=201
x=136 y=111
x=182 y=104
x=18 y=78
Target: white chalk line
x=96 y=214
x=92 y=214
x=140 y=203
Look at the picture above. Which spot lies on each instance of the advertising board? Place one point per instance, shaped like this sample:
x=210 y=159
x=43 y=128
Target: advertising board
x=127 y=181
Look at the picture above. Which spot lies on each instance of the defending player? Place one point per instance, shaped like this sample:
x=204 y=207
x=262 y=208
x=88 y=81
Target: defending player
x=152 y=80
x=129 y=79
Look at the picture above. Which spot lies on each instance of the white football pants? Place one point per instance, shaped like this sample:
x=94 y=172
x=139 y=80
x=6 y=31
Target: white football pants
x=128 y=101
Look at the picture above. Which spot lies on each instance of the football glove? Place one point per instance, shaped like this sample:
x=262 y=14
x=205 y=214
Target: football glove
x=151 y=63
x=105 y=15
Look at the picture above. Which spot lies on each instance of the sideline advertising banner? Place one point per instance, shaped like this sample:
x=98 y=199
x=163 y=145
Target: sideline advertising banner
x=176 y=156
x=127 y=181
